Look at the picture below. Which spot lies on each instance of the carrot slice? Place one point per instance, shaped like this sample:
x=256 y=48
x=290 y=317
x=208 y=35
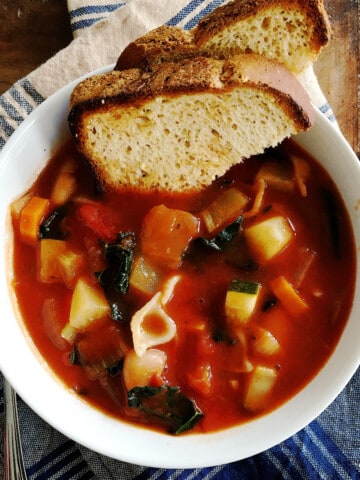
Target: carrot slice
x=288 y=296
x=31 y=217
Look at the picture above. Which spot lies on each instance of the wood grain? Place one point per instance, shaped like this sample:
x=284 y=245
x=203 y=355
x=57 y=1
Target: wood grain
x=32 y=31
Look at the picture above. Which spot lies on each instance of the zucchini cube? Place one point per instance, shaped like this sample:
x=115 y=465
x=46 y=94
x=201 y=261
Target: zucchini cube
x=240 y=302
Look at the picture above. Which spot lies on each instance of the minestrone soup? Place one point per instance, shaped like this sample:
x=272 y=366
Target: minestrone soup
x=190 y=311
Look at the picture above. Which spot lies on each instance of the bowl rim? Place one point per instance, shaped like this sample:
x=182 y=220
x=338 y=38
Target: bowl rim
x=47 y=124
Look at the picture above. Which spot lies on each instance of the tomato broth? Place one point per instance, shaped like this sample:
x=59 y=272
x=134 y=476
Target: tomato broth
x=195 y=311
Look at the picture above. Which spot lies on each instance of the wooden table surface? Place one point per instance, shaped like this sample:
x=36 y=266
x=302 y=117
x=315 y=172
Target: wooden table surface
x=31 y=31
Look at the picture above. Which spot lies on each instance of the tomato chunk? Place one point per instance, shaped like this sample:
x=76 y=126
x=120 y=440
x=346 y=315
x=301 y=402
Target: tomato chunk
x=98 y=219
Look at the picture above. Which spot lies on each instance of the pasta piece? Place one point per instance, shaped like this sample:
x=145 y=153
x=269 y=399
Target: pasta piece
x=140 y=371
x=168 y=289
x=151 y=326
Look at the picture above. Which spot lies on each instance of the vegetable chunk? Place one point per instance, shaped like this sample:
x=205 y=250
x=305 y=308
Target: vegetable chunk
x=88 y=304
x=167 y=233
x=31 y=217
x=268 y=238
x=288 y=296
x=224 y=209
x=261 y=383
x=240 y=301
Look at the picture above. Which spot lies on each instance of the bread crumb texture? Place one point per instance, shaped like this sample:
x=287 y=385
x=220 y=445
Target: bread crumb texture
x=291 y=32
x=183 y=142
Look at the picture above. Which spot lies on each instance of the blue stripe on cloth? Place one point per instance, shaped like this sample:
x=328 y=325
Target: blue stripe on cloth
x=87 y=476
x=73 y=472
x=6 y=128
x=11 y=110
x=324 y=108
x=51 y=456
x=91 y=9
x=184 y=12
x=21 y=100
x=31 y=91
x=333 y=452
x=54 y=470
x=209 y=8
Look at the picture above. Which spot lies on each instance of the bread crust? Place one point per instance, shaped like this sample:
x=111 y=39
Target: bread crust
x=195 y=81
x=164 y=42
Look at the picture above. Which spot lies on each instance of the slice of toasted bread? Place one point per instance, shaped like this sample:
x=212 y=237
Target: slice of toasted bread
x=292 y=32
x=185 y=123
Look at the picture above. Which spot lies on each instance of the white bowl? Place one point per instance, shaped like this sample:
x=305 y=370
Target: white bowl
x=20 y=161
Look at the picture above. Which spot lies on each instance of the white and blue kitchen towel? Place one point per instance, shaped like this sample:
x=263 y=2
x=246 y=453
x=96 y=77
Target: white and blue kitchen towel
x=328 y=448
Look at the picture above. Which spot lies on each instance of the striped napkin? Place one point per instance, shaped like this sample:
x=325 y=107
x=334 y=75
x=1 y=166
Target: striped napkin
x=328 y=448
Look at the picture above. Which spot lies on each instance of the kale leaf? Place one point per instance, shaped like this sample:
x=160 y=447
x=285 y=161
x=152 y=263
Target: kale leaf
x=115 y=278
x=166 y=405
x=222 y=239
x=51 y=227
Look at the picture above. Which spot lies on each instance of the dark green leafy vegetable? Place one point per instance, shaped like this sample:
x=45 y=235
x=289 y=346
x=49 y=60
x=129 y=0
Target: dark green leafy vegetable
x=74 y=356
x=167 y=405
x=222 y=239
x=51 y=227
x=115 y=278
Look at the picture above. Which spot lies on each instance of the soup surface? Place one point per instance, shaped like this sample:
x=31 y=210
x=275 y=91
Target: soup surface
x=190 y=311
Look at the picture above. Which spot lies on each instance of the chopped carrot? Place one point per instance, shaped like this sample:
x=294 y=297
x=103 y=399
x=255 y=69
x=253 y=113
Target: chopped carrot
x=167 y=233
x=31 y=217
x=288 y=296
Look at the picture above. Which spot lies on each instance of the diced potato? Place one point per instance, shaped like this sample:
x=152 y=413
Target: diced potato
x=265 y=343
x=144 y=276
x=240 y=302
x=261 y=383
x=268 y=238
x=288 y=296
x=140 y=371
x=69 y=333
x=71 y=264
x=64 y=188
x=224 y=210
x=88 y=304
x=49 y=251
x=33 y=213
